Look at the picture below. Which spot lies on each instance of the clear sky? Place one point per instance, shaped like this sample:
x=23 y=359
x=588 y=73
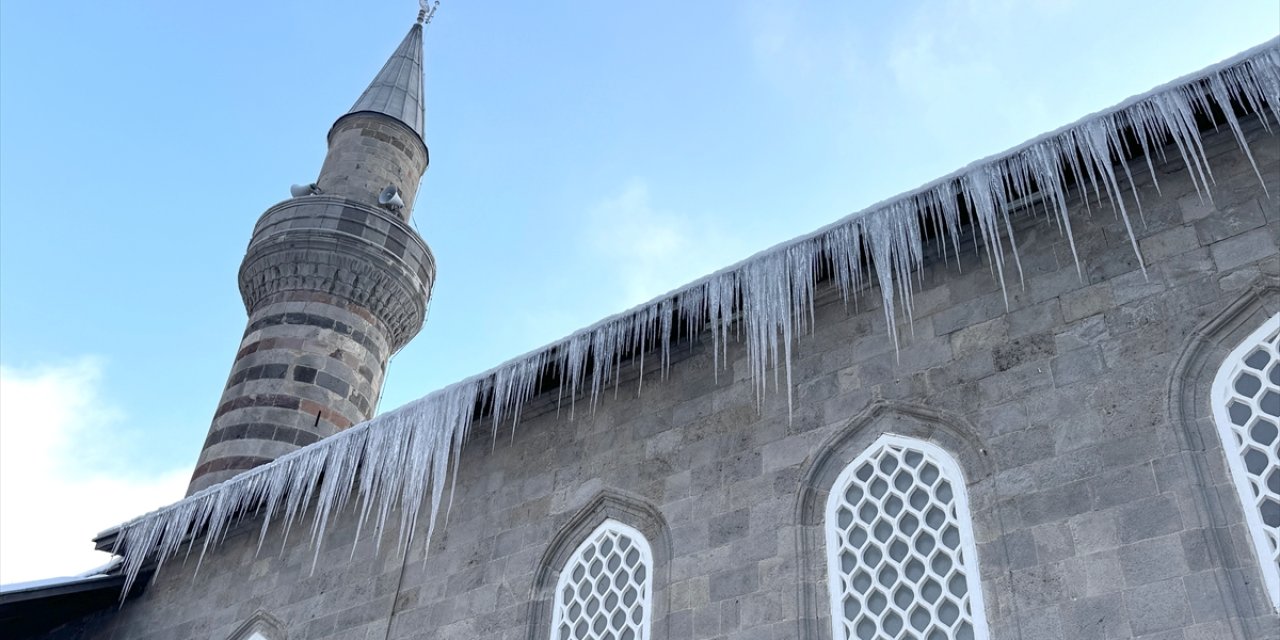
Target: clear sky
x=586 y=157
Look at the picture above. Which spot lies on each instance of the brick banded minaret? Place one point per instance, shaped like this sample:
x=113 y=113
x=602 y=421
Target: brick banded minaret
x=334 y=283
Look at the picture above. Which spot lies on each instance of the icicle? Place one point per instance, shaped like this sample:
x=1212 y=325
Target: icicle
x=400 y=460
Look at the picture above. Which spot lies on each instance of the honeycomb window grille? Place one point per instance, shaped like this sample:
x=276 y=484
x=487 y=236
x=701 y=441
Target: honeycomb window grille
x=1246 y=410
x=605 y=589
x=901 y=561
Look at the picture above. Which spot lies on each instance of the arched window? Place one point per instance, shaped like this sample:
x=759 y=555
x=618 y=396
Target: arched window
x=260 y=626
x=901 y=561
x=605 y=589
x=1246 y=410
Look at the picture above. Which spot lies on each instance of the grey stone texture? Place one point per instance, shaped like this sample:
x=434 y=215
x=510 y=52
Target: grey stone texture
x=1101 y=502
x=367 y=152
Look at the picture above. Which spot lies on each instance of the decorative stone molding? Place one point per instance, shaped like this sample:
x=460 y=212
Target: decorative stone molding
x=259 y=626
x=607 y=581
x=1236 y=570
x=900 y=551
x=952 y=433
x=357 y=253
x=608 y=504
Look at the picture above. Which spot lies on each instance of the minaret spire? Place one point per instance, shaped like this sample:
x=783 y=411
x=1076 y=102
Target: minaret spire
x=397 y=89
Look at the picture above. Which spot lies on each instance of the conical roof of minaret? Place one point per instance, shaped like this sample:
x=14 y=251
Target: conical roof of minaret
x=397 y=89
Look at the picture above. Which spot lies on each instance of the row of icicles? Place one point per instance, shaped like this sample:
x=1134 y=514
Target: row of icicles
x=399 y=459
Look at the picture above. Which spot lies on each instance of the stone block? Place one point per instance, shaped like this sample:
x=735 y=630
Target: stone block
x=1053 y=542
x=1086 y=302
x=1077 y=366
x=690 y=594
x=1020 y=549
x=1123 y=486
x=1168 y=243
x=1037 y=318
x=1044 y=623
x=1152 y=560
x=1054 y=503
x=983 y=336
x=1149 y=518
x=1039 y=586
x=1018 y=351
x=1095 y=617
x=1102 y=573
x=1195 y=207
x=1015 y=383
x=1187 y=267
x=1080 y=334
x=1005 y=418
x=1204 y=592
x=1137 y=285
x=1158 y=606
x=966 y=313
x=1023 y=447
x=1240 y=250
x=729 y=527
x=1231 y=221
x=1093 y=532
x=734 y=582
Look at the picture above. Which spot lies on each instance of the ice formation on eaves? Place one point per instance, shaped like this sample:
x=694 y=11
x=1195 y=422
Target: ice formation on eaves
x=399 y=459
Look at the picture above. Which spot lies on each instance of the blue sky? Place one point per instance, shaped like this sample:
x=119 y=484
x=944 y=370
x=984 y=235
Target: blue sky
x=585 y=158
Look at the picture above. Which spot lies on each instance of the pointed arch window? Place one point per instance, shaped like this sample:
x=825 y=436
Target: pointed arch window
x=259 y=626
x=901 y=560
x=605 y=590
x=1246 y=410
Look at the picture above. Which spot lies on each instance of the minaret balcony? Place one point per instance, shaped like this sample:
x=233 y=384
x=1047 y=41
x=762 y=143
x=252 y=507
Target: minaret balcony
x=335 y=246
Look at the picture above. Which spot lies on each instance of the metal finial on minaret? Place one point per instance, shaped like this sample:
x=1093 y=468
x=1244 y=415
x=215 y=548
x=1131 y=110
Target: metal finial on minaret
x=427 y=11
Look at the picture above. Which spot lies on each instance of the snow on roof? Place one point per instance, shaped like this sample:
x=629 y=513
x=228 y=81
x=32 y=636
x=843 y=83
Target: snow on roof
x=401 y=458
x=85 y=576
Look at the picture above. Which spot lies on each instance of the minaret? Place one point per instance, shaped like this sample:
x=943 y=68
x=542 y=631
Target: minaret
x=334 y=281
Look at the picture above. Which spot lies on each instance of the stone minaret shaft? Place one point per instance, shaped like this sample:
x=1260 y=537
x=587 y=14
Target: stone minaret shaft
x=334 y=284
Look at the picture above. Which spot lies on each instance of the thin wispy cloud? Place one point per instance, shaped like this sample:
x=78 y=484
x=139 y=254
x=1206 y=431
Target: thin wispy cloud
x=960 y=60
x=58 y=487
x=800 y=54
x=1008 y=70
x=647 y=251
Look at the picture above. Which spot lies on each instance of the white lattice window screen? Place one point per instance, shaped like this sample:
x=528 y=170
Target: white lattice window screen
x=1246 y=409
x=901 y=561
x=605 y=589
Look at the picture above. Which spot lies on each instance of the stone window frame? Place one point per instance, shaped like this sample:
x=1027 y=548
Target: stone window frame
x=259 y=626
x=606 y=504
x=1223 y=395
x=1235 y=591
x=576 y=559
x=952 y=433
x=949 y=472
